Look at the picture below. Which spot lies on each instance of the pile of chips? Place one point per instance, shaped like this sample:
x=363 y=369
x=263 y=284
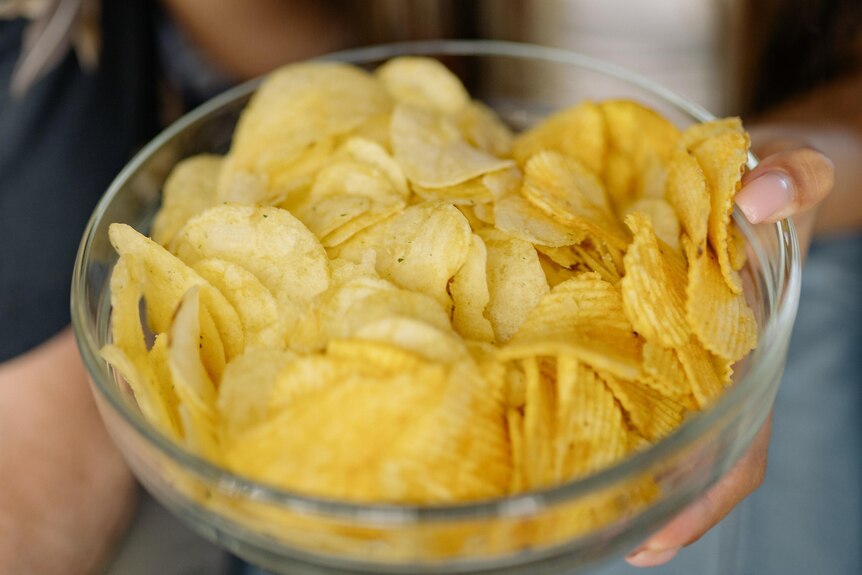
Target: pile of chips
x=383 y=294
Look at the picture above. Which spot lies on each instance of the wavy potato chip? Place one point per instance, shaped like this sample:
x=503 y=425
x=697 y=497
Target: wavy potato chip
x=699 y=367
x=521 y=219
x=686 y=192
x=664 y=372
x=470 y=294
x=652 y=414
x=664 y=221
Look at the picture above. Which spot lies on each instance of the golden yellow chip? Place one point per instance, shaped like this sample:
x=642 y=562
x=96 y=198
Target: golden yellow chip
x=515 y=429
x=190 y=189
x=700 y=370
x=471 y=192
x=686 y=192
x=423 y=339
x=569 y=193
x=577 y=132
x=582 y=317
x=720 y=319
x=539 y=432
x=470 y=295
x=639 y=132
x=433 y=153
x=297 y=107
x=423 y=247
x=424 y=83
x=521 y=219
x=375 y=156
x=516 y=282
x=245 y=388
x=722 y=159
x=484 y=129
x=652 y=414
x=619 y=178
x=664 y=372
x=653 y=302
x=697 y=133
x=736 y=247
x=664 y=221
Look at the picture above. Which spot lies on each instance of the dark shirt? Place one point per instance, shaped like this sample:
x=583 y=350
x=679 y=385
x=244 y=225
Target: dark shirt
x=60 y=147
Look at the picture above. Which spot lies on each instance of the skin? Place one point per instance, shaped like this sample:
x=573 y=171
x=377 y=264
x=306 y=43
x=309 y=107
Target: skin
x=48 y=420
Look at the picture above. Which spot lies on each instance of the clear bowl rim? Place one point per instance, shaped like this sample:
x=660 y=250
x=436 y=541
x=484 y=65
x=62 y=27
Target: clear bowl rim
x=522 y=504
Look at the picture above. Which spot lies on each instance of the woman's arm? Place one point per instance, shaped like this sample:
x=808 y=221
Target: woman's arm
x=65 y=493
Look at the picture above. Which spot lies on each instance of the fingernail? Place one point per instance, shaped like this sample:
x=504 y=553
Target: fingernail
x=765 y=196
x=651 y=557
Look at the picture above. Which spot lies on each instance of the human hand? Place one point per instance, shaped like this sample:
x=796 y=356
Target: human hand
x=790 y=180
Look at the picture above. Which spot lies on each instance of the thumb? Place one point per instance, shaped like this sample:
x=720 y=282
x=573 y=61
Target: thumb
x=785 y=183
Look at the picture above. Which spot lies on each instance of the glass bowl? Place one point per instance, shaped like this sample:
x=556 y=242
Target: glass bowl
x=550 y=530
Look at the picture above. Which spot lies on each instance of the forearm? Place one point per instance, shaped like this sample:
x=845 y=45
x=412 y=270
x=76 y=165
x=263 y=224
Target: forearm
x=828 y=118
x=66 y=492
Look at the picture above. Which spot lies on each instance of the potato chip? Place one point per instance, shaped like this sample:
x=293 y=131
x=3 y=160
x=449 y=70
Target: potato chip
x=686 y=192
x=589 y=423
x=484 y=129
x=515 y=430
x=664 y=372
x=192 y=384
x=521 y=219
x=469 y=193
x=639 y=132
x=736 y=247
x=470 y=295
x=699 y=368
x=722 y=159
x=433 y=153
x=375 y=156
x=539 y=432
x=425 y=340
x=516 y=282
x=652 y=414
x=720 y=319
x=663 y=218
x=424 y=83
x=620 y=179
x=189 y=190
x=296 y=108
x=653 y=302
x=693 y=135
x=577 y=132
x=254 y=304
x=423 y=247
x=582 y=317
x=293 y=266
x=166 y=281
x=246 y=386
x=569 y=193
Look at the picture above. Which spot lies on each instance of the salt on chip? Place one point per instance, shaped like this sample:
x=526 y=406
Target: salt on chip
x=424 y=83
x=470 y=295
x=516 y=282
x=190 y=188
x=653 y=302
x=582 y=317
x=432 y=151
x=572 y=195
x=722 y=159
x=721 y=320
x=577 y=132
x=269 y=242
x=423 y=247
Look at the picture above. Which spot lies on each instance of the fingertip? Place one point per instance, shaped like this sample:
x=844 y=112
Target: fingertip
x=765 y=196
x=651 y=557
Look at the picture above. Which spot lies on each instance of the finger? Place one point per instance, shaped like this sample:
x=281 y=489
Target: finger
x=785 y=183
x=706 y=512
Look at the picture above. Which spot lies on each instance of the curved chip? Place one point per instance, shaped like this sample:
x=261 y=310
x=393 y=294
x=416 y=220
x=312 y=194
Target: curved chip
x=521 y=219
x=653 y=302
x=470 y=295
x=433 y=153
x=190 y=188
x=686 y=192
x=424 y=83
x=663 y=218
x=484 y=129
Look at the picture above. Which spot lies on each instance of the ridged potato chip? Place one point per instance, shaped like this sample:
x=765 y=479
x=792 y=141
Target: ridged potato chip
x=190 y=189
x=706 y=384
x=653 y=302
x=686 y=192
x=577 y=132
x=720 y=319
x=664 y=221
x=652 y=414
x=664 y=372
x=581 y=317
x=539 y=426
